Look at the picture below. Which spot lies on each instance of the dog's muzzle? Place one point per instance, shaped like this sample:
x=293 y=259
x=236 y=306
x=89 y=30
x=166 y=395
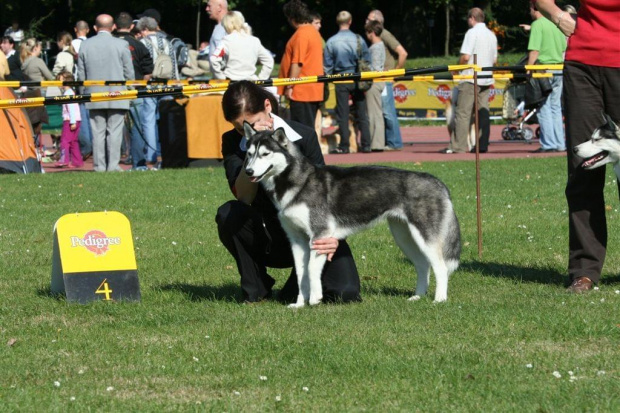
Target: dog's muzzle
x=250 y=173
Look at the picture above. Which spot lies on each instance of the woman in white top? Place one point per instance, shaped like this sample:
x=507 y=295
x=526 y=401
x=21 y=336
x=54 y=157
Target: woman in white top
x=65 y=59
x=239 y=52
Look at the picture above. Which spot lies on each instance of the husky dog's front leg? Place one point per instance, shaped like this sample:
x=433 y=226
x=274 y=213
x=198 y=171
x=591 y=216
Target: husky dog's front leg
x=301 y=252
x=315 y=270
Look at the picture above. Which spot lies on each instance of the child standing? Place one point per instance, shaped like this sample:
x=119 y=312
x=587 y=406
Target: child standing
x=71 y=120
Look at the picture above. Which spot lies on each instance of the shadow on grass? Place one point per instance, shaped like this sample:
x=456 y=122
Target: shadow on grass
x=46 y=292
x=228 y=292
x=526 y=274
x=517 y=273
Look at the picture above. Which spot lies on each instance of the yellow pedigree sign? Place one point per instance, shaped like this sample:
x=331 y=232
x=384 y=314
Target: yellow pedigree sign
x=94 y=242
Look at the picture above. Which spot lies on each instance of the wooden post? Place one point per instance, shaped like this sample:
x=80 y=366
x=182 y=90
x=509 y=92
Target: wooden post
x=477 y=126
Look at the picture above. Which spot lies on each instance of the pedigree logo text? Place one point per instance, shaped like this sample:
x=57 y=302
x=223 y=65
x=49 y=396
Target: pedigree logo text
x=443 y=93
x=401 y=93
x=95 y=241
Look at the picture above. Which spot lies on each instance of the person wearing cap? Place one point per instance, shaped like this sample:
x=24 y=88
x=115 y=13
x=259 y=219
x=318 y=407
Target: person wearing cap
x=151 y=13
x=216 y=9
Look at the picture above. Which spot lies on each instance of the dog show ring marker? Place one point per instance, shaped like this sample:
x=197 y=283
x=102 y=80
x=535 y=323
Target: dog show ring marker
x=93 y=258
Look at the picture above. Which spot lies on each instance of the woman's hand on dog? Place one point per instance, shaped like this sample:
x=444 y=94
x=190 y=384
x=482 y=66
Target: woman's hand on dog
x=325 y=246
x=262 y=125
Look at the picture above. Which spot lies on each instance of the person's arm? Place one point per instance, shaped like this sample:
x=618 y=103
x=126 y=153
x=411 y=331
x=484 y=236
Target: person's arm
x=145 y=61
x=328 y=61
x=266 y=60
x=127 y=64
x=464 y=59
x=218 y=61
x=244 y=190
x=532 y=57
x=59 y=64
x=4 y=67
x=559 y=17
x=294 y=72
x=74 y=112
x=402 y=57
x=44 y=70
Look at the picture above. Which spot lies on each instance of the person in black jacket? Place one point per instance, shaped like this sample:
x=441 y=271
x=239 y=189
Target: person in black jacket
x=143 y=67
x=15 y=65
x=249 y=227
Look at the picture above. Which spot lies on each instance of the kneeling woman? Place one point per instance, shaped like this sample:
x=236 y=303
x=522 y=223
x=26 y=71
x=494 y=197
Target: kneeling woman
x=249 y=227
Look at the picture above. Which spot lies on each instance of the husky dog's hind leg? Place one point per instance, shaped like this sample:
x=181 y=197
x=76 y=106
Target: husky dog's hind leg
x=409 y=247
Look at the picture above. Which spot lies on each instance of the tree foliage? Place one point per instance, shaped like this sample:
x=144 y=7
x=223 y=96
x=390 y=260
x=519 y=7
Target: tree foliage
x=424 y=27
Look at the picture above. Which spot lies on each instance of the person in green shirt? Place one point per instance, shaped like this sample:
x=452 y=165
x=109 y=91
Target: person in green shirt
x=547 y=45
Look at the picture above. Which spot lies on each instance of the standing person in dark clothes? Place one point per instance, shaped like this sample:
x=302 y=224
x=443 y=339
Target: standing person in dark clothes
x=143 y=67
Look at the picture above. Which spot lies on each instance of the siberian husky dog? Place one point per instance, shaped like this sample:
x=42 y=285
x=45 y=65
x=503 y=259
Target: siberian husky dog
x=328 y=201
x=602 y=148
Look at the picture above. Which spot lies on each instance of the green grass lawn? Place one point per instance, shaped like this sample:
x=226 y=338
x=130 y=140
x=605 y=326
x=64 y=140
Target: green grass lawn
x=508 y=338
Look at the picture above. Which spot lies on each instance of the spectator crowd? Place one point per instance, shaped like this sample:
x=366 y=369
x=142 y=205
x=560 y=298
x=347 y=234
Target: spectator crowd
x=139 y=47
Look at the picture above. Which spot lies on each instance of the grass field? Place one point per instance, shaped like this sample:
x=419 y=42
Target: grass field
x=508 y=339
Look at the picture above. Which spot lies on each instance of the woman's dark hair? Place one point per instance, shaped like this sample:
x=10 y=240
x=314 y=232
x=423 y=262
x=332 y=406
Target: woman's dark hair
x=246 y=97
x=297 y=11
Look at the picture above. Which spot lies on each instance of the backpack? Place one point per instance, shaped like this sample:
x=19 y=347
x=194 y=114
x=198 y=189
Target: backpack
x=163 y=66
x=362 y=66
x=181 y=51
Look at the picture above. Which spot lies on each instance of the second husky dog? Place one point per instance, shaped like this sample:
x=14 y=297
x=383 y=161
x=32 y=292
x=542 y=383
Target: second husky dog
x=319 y=202
x=602 y=148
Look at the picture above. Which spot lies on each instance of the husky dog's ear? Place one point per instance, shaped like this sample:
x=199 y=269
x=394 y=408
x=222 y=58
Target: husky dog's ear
x=248 y=130
x=609 y=124
x=280 y=136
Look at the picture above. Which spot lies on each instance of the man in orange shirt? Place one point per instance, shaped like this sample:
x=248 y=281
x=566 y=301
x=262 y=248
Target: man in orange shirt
x=303 y=57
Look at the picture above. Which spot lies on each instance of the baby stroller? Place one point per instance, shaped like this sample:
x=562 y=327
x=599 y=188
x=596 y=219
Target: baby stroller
x=517 y=116
x=515 y=112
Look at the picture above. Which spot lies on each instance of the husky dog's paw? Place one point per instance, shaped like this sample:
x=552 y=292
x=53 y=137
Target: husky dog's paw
x=315 y=300
x=296 y=305
x=414 y=298
x=440 y=298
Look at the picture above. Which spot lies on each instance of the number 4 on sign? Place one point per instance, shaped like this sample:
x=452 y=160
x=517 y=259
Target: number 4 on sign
x=104 y=288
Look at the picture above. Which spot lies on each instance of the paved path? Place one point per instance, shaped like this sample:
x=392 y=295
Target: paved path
x=424 y=143
x=421 y=144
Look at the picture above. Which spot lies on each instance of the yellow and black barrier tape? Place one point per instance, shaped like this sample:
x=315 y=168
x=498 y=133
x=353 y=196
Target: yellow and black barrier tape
x=188 y=87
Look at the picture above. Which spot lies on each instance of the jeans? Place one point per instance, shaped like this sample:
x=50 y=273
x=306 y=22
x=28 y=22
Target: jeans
x=138 y=142
x=149 y=118
x=342 y=114
x=393 y=139
x=550 y=118
x=85 y=137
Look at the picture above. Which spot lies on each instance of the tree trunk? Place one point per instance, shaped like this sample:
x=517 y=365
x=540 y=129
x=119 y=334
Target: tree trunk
x=447 y=44
x=197 y=45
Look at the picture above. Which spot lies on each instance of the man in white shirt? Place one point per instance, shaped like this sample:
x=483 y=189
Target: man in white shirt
x=81 y=30
x=216 y=9
x=479 y=41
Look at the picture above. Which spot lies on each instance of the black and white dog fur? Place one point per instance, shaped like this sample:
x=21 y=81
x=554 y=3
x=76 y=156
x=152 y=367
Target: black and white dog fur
x=602 y=148
x=328 y=201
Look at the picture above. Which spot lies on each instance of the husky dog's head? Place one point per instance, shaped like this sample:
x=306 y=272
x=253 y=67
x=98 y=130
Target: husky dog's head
x=602 y=148
x=267 y=153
